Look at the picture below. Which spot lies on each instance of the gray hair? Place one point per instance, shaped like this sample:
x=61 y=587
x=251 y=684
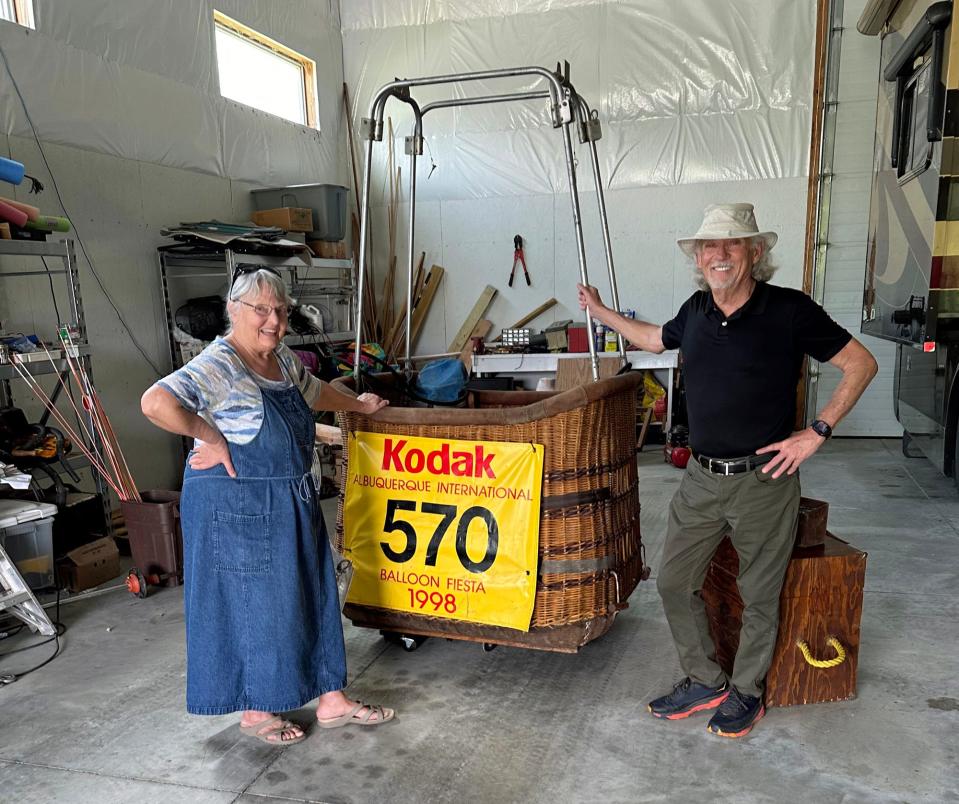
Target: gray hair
x=255 y=282
x=763 y=270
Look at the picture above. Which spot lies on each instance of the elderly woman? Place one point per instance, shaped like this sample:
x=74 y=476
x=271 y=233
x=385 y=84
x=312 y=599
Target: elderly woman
x=263 y=625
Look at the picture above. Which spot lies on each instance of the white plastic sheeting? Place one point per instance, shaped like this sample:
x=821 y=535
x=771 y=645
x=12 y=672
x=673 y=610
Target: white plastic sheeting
x=688 y=91
x=138 y=80
x=700 y=102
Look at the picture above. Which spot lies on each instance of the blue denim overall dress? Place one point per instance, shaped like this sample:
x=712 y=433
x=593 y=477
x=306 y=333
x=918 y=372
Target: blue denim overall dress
x=263 y=621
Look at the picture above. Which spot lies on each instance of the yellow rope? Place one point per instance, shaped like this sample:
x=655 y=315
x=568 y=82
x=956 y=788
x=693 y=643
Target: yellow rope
x=831 y=641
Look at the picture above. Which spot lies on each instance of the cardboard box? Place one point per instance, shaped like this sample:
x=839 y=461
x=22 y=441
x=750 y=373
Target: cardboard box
x=290 y=219
x=90 y=565
x=325 y=249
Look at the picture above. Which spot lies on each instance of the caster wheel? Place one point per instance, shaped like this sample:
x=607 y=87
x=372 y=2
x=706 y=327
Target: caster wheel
x=405 y=641
x=136 y=583
x=411 y=643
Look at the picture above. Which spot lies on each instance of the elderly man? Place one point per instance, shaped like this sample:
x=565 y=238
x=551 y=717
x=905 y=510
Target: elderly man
x=743 y=342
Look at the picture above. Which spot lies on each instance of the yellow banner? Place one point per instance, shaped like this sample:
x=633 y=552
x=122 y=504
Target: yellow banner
x=444 y=528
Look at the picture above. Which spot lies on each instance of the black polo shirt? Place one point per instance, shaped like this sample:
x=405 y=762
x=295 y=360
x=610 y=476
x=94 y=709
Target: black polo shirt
x=741 y=372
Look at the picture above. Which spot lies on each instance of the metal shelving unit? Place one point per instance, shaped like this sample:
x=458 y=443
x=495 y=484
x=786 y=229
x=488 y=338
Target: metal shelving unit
x=320 y=278
x=39 y=364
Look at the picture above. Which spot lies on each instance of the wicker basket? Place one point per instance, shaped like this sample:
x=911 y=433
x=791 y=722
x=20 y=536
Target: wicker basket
x=590 y=548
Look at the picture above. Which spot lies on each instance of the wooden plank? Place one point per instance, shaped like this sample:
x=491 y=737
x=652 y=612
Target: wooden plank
x=475 y=316
x=422 y=305
x=535 y=314
x=481 y=330
x=530 y=316
x=573 y=371
x=647 y=418
x=394 y=339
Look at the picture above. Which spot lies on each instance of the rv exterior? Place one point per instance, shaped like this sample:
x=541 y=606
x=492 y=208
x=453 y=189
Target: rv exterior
x=911 y=293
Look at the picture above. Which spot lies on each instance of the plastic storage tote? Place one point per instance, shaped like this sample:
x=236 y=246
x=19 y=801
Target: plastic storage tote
x=30 y=547
x=328 y=202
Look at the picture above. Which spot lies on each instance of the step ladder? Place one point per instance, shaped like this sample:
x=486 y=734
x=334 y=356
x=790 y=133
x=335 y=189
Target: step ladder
x=16 y=597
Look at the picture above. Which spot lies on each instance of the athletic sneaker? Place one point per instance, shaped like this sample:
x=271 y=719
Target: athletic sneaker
x=687 y=698
x=737 y=715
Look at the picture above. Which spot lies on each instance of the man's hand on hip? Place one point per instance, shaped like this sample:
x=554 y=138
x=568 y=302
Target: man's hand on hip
x=792 y=452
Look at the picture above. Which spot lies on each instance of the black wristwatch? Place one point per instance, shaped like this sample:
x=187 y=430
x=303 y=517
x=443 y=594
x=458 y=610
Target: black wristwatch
x=820 y=428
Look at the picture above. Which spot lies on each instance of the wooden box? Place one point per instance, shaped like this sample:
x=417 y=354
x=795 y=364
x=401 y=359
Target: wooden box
x=821 y=598
x=811 y=526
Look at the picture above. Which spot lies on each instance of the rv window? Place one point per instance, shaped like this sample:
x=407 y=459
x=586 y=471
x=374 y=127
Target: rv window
x=915 y=150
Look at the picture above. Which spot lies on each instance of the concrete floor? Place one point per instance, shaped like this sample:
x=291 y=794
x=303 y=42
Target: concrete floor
x=105 y=722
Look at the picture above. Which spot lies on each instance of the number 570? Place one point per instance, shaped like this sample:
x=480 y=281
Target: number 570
x=447 y=513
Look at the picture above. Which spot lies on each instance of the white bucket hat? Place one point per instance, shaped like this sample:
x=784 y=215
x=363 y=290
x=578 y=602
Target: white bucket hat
x=726 y=222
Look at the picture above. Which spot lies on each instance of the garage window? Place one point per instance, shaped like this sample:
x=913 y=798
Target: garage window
x=260 y=72
x=18 y=11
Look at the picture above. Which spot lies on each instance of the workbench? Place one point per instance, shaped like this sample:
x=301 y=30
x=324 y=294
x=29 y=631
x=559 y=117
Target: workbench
x=530 y=367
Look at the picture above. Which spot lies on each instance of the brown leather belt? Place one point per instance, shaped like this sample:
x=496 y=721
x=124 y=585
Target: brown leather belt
x=734 y=466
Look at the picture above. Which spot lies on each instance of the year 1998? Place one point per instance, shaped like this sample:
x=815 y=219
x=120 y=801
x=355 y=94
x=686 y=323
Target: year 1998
x=422 y=598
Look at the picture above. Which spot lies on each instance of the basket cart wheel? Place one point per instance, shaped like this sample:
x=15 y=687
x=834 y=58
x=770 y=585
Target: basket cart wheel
x=136 y=583
x=411 y=642
x=488 y=646
x=407 y=642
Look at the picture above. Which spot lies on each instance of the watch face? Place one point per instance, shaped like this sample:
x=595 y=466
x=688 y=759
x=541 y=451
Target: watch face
x=822 y=428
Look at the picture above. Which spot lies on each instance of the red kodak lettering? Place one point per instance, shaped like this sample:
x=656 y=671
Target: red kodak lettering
x=414 y=461
x=391 y=455
x=483 y=464
x=437 y=462
x=462 y=464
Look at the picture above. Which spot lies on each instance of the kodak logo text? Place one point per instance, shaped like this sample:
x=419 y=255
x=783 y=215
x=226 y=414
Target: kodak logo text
x=474 y=463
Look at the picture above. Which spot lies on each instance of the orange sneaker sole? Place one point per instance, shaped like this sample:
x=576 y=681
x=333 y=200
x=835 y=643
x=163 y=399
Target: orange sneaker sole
x=703 y=707
x=734 y=735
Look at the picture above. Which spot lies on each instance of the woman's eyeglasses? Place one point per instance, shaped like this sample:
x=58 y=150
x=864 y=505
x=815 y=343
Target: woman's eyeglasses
x=264 y=310
x=240 y=270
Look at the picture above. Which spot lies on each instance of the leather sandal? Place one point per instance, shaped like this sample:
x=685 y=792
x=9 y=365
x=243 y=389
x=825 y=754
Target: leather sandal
x=353 y=717
x=273 y=726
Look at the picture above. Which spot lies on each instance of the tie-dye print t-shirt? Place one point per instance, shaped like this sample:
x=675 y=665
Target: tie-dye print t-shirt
x=218 y=387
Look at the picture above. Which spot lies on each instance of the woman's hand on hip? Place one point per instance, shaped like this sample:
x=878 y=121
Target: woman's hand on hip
x=206 y=455
x=370 y=403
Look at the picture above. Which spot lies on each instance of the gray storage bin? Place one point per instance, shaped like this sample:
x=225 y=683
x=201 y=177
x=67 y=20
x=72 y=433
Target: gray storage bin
x=30 y=547
x=328 y=202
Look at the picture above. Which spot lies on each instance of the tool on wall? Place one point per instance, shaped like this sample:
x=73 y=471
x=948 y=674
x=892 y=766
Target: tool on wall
x=518 y=257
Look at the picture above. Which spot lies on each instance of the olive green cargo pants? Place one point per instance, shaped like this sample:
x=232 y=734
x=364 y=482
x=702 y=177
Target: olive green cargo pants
x=762 y=515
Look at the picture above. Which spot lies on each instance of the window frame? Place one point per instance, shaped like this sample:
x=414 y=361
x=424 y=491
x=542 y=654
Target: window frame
x=306 y=64
x=23 y=14
x=914 y=108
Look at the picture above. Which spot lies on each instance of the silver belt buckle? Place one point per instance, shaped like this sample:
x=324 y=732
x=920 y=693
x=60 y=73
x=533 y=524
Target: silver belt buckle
x=726 y=466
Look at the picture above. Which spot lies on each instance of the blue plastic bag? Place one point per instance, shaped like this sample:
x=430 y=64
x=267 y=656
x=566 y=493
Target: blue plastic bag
x=442 y=381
